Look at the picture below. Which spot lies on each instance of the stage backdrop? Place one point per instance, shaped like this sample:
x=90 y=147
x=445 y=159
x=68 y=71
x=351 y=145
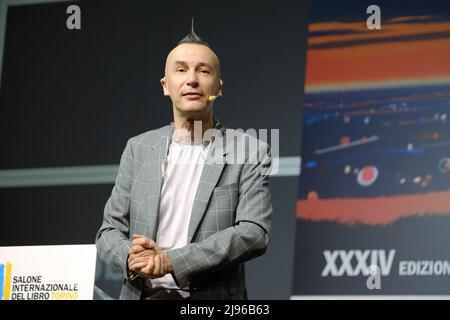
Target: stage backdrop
x=373 y=211
x=70 y=99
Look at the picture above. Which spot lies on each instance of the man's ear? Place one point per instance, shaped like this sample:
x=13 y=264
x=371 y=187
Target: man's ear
x=163 y=83
x=220 y=87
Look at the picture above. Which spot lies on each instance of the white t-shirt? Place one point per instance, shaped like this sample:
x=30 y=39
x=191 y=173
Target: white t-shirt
x=183 y=168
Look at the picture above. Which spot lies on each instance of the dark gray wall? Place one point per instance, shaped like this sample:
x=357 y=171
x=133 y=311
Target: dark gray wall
x=72 y=98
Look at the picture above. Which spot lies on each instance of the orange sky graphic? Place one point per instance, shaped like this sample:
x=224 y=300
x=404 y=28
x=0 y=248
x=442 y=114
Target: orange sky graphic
x=424 y=58
x=374 y=211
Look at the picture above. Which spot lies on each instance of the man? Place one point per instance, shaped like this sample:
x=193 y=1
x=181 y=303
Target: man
x=185 y=212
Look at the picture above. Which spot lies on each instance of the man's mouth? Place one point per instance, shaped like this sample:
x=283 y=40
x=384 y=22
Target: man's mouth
x=192 y=95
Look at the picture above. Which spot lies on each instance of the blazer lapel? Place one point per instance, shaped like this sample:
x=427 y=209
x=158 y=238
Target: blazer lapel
x=211 y=172
x=155 y=164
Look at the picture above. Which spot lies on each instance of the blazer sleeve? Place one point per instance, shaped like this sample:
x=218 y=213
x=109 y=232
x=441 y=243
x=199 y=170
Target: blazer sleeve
x=112 y=239
x=246 y=239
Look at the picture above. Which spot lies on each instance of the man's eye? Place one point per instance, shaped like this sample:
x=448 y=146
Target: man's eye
x=181 y=70
x=204 y=71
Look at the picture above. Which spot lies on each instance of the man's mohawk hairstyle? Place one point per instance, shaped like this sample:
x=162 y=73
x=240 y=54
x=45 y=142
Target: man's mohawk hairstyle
x=193 y=38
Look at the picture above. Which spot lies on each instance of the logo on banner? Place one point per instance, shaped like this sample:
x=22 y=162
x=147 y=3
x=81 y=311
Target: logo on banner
x=33 y=287
x=5 y=280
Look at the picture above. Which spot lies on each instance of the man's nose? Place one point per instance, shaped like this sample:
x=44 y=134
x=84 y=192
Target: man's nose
x=192 y=79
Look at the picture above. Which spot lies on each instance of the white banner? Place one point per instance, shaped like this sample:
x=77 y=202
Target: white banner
x=62 y=272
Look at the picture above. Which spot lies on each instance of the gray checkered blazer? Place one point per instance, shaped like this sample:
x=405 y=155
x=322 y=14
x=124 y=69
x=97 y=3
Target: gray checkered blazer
x=230 y=221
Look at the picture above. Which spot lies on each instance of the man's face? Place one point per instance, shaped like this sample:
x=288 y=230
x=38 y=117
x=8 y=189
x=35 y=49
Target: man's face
x=192 y=75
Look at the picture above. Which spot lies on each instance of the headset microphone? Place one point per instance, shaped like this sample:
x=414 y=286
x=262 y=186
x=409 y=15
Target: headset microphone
x=212 y=98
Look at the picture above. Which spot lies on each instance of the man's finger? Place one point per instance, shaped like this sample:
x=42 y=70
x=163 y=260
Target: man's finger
x=148 y=269
x=136 y=249
x=133 y=262
x=157 y=268
x=144 y=242
x=133 y=258
x=137 y=266
x=166 y=264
